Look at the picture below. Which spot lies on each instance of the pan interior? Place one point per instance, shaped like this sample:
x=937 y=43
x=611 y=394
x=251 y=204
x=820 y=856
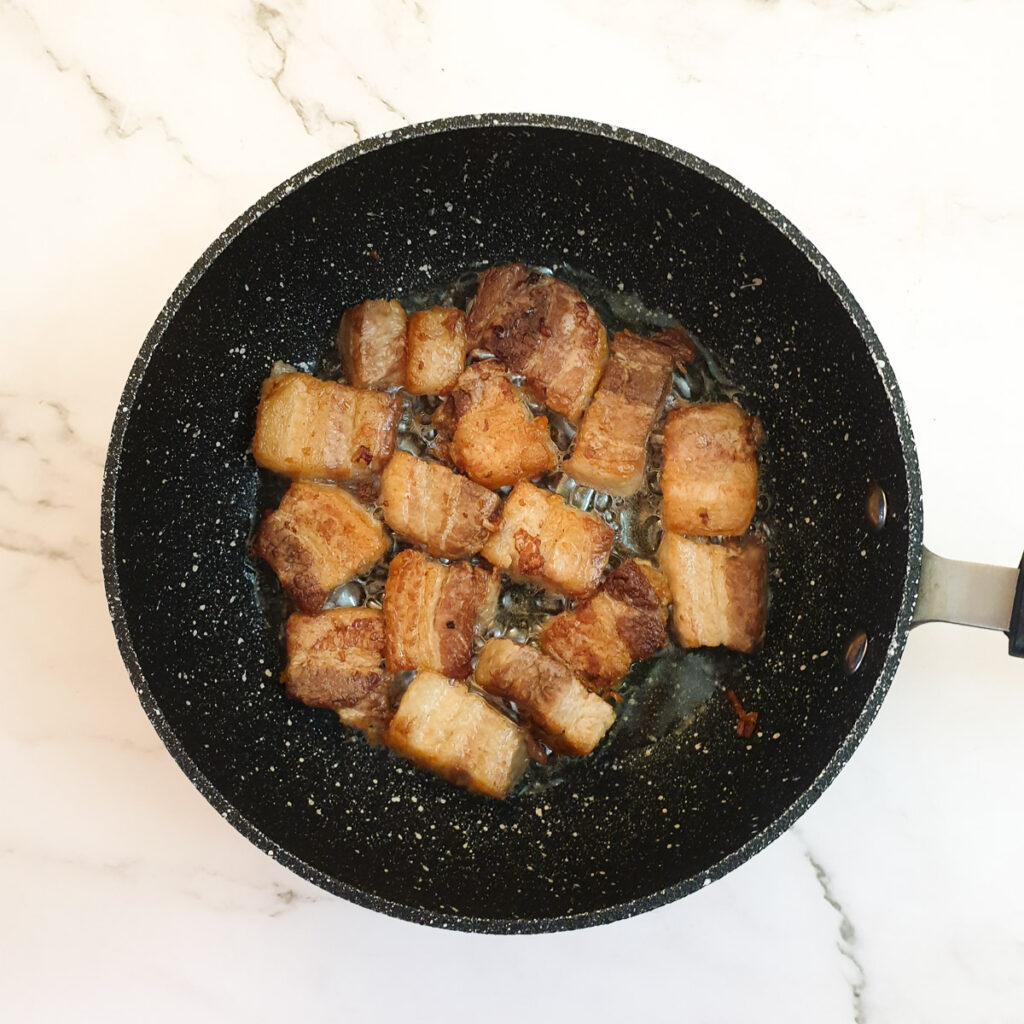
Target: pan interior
x=675 y=796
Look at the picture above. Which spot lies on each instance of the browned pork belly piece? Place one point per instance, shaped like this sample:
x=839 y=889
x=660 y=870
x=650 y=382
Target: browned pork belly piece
x=622 y=623
x=610 y=454
x=709 y=476
x=431 y=611
x=336 y=661
x=718 y=591
x=487 y=430
x=371 y=344
x=542 y=328
x=442 y=726
x=570 y=717
x=436 y=353
x=318 y=537
x=542 y=539
x=679 y=344
x=432 y=505
x=307 y=427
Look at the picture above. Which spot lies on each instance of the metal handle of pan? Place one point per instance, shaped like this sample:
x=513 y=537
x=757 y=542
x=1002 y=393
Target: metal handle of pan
x=989 y=596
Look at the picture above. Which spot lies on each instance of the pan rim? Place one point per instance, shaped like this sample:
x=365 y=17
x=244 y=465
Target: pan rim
x=525 y=925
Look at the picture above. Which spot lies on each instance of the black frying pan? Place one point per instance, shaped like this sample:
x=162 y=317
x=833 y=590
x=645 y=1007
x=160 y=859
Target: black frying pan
x=673 y=799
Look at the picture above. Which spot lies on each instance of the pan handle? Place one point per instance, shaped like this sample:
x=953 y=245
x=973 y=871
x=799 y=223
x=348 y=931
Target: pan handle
x=970 y=594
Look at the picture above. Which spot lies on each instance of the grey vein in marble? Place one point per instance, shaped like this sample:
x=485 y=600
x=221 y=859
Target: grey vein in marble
x=417 y=8
x=191 y=881
x=34 y=548
x=312 y=115
x=32 y=502
x=847 y=944
x=89 y=453
x=1002 y=216
x=288 y=899
x=282 y=899
x=49 y=486
x=374 y=94
x=876 y=10
x=121 y=122
x=84 y=863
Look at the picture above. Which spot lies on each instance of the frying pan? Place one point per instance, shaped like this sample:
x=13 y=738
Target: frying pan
x=673 y=798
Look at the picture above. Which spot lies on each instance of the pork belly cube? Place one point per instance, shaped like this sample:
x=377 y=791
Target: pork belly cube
x=431 y=611
x=437 y=348
x=570 y=717
x=432 y=505
x=487 y=430
x=610 y=454
x=542 y=328
x=372 y=344
x=709 y=477
x=719 y=591
x=318 y=537
x=442 y=726
x=307 y=427
x=543 y=539
x=336 y=661
x=622 y=623
x=679 y=344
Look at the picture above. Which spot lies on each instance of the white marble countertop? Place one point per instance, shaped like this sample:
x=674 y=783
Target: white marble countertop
x=889 y=131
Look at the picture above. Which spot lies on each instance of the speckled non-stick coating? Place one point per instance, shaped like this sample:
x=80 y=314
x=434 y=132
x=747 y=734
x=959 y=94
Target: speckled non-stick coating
x=634 y=827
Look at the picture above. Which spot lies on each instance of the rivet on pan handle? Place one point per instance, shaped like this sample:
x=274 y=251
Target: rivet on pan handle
x=971 y=594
